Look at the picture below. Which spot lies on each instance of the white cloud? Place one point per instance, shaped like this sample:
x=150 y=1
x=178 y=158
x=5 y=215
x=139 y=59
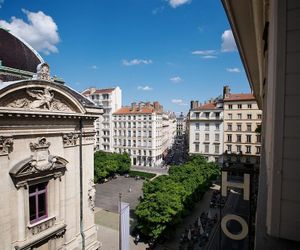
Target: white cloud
x=176 y=3
x=136 y=62
x=40 y=31
x=94 y=67
x=209 y=57
x=233 y=70
x=228 y=43
x=144 y=88
x=179 y=102
x=206 y=54
x=176 y=79
x=158 y=10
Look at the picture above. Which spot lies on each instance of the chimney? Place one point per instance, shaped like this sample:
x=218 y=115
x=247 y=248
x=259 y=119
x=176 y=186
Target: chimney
x=133 y=105
x=156 y=105
x=194 y=104
x=92 y=90
x=226 y=91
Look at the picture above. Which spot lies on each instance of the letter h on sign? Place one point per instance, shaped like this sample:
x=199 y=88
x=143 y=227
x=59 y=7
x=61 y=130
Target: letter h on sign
x=243 y=185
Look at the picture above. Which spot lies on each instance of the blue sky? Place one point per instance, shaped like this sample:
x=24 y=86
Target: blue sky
x=173 y=51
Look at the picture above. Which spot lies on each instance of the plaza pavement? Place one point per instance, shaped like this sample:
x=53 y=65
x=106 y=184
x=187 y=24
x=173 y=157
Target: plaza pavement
x=107 y=220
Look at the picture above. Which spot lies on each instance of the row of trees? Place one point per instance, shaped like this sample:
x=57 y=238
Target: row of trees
x=167 y=199
x=108 y=164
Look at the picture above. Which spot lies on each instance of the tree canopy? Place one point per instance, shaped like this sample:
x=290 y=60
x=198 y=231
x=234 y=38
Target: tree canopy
x=166 y=198
x=108 y=164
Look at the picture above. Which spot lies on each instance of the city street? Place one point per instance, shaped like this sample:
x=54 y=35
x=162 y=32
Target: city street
x=177 y=153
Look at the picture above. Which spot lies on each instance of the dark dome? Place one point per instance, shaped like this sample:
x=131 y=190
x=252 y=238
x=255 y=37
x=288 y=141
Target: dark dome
x=15 y=53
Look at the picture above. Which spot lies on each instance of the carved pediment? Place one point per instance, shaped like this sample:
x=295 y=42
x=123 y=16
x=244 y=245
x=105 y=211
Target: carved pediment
x=28 y=170
x=41 y=164
x=42 y=98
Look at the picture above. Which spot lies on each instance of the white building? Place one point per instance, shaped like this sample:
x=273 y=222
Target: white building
x=205 y=128
x=110 y=100
x=168 y=131
x=139 y=131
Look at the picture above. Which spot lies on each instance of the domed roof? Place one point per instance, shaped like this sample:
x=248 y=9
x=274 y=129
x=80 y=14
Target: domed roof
x=16 y=53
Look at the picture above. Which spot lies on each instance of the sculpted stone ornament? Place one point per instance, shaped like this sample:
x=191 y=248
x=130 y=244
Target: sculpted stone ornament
x=70 y=139
x=41 y=160
x=41 y=98
x=91 y=194
x=6 y=144
x=43 y=72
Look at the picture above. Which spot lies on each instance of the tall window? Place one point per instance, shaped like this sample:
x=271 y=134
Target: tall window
x=217 y=115
x=258 y=138
x=230 y=106
x=216 y=149
x=238 y=148
x=197 y=137
x=206 y=114
x=206 y=148
x=229 y=138
x=206 y=137
x=249 y=127
x=249 y=116
x=248 y=138
x=229 y=127
x=257 y=150
x=230 y=116
x=239 y=127
x=248 y=149
x=239 y=116
x=196 y=147
x=217 y=137
x=206 y=126
x=229 y=148
x=197 y=126
x=217 y=126
x=37 y=202
x=249 y=106
x=197 y=115
x=239 y=106
x=259 y=116
x=238 y=138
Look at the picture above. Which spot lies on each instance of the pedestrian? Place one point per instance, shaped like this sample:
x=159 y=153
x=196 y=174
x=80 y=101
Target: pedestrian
x=129 y=189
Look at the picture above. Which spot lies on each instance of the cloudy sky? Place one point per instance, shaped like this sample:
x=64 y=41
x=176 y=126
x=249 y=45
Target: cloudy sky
x=173 y=51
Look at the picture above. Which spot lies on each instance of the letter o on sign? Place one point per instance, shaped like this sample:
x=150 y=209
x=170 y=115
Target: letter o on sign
x=242 y=235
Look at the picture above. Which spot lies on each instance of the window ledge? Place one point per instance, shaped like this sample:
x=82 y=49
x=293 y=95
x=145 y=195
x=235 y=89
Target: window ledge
x=42 y=225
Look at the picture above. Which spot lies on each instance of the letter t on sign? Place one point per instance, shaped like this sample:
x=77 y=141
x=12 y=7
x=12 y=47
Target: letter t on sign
x=243 y=185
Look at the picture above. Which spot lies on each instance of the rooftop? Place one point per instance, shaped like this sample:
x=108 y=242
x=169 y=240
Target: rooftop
x=239 y=97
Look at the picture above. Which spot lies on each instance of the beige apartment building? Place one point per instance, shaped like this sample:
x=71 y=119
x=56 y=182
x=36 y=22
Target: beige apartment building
x=242 y=121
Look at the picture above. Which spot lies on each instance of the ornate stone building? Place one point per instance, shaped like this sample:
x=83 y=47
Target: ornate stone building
x=46 y=156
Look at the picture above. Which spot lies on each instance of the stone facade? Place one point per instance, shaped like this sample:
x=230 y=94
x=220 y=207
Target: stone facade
x=40 y=143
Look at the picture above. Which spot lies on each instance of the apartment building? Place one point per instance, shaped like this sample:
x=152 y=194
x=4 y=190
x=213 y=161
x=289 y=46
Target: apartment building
x=242 y=120
x=142 y=130
x=110 y=100
x=205 y=129
x=168 y=131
